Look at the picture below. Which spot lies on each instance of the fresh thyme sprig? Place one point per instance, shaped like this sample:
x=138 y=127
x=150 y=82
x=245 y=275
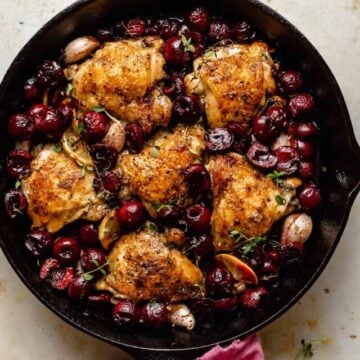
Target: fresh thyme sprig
x=246 y=243
x=88 y=276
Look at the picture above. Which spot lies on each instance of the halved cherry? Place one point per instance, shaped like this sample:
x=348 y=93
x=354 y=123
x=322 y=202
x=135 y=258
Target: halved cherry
x=238 y=269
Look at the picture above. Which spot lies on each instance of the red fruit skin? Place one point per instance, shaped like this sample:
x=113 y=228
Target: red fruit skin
x=88 y=234
x=60 y=278
x=131 y=214
x=219 y=30
x=290 y=81
x=301 y=104
x=136 y=27
x=15 y=203
x=66 y=250
x=252 y=298
x=226 y=304
x=79 y=288
x=174 y=51
x=125 y=313
x=18 y=163
x=38 y=242
x=198 y=19
x=197 y=218
x=32 y=91
x=309 y=196
x=47 y=266
x=259 y=155
x=92 y=258
x=154 y=314
x=94 y=126
x=134 y=138
x=21 y=126
x=99 y=299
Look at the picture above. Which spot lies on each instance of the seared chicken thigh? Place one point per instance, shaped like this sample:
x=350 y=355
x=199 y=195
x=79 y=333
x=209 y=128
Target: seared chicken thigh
x=245 y=200
x=156 y=174
x=143 y=267
x=59 y=192
x=234 y=81
x=122 y=77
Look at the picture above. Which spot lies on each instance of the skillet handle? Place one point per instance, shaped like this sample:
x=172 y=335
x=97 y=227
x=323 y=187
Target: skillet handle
x=165 y=355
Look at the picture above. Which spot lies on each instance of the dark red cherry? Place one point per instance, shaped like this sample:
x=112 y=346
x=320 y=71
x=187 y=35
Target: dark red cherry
x=93 y=126
x=198 y=19
x=18 y=163
x=241 y=133
x=198 y=179
x=79 y=288
x=15 y=203
x=254 y=297
x=174 y=87
x=134 y=138
x=292 y=253
x=107 y=183
x=309 y=196
x=306 y=131
x=92 y=258
x=131 y=214
x=175 y=52
x=279 y=116
x=301 y=104
x=226 y=304
x=21 y=126
x=290 y=81
x=125 y=312
x=288 y=159
x=202 y=307
x=264 y=128
x=60 y=278
x=47 y=266
x=219 y=30
x=201 y=245
x=243 y=32
x=305 y=149
x=306 y=169
x=219 y=139
x=67 y=112
x=259 y=155
x=219 y=282
x=38 y=242
x=50 y=74
x=32 y=90
x=99 y=299
x=104 y=156
x=135 y=27
x=66 y=250
x=187 y=108
x=197 y=218
x=154 y=313
x=88 y=234
x=165 y=28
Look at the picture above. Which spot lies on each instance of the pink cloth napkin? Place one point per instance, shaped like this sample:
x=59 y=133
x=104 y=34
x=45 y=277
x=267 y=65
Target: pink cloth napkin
x=247 y=349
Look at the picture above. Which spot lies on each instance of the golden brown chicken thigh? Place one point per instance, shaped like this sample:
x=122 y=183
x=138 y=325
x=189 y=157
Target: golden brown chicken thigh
x=156 y=174
x=122 y=77
x=143 y=267
x=58 y=192
x=244 y=199
x=234 y=81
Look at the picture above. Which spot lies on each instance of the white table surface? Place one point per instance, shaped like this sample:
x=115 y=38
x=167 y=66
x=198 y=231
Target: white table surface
x=329 y=313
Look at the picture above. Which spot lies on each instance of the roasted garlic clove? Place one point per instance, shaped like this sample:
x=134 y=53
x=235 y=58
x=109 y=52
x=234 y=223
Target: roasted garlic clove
x=296 y=228
x=79 y=49
x=180 y=315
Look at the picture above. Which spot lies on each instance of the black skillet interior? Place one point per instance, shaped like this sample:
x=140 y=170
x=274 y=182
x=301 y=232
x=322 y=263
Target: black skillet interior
x=339 y=151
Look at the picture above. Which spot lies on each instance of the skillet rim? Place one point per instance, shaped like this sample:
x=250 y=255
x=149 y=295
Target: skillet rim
x=350 y=197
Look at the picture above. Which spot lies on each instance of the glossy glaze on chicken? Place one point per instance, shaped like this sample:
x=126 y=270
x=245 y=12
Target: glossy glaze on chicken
x=167 y=168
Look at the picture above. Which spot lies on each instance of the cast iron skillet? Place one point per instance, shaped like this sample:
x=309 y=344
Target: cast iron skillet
x=340 y=155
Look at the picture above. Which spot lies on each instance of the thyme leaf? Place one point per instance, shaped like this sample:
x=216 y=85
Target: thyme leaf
x=57 y=147
x=89 y=275
x=69 y=89
x=280 y=200
x=187 y=43
x=277 y=177
x=17 y=184
x=98 y=108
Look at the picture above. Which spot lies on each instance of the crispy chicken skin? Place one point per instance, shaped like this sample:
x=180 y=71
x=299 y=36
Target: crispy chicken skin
x=244 y=199
x=57 y=192
x=156 y=174
x=121 y=77
x=234 y=81
x=143 y=267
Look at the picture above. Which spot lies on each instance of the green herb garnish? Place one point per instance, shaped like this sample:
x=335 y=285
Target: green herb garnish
x=80 y=127
x=155 y=151
x=280 y=200
x=90 y=274
x=153 y=227
x=248 y=243
x=98 y=108
x=277 y=177
x=69 y=89
x=170 y=206
x=17 y=184
x=57 y=147
x=188 y=46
